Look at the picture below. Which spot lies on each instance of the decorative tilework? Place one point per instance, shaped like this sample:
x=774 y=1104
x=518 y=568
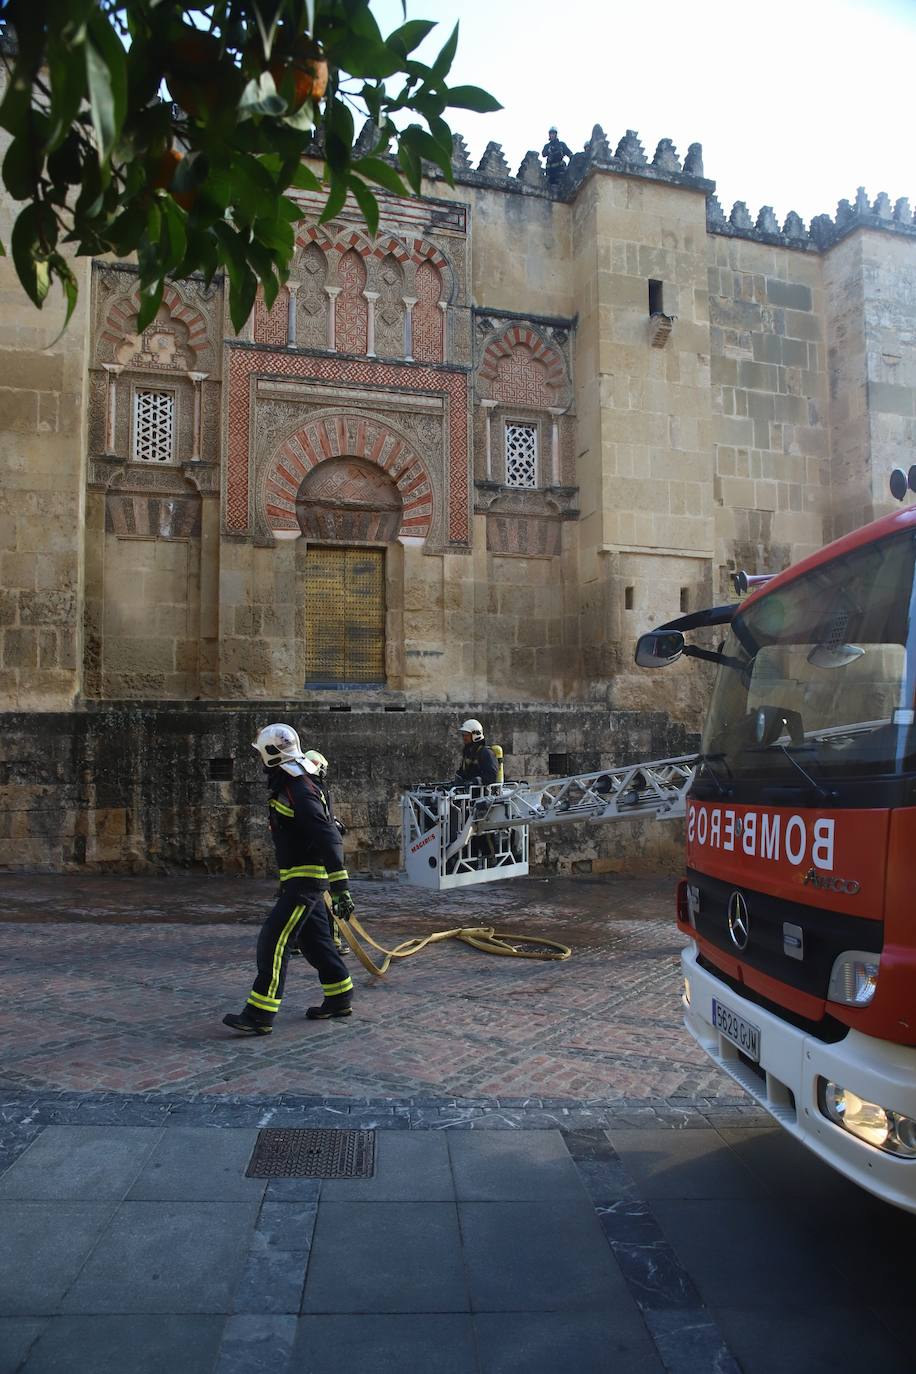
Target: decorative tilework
x=121 y=319
x=521 y=345
x=427 y=316
x=352 y=307
x=272 y=326
x=245 y=363
x=345 y=436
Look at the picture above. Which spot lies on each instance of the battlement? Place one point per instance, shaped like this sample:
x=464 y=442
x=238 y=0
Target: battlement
x=629 y=158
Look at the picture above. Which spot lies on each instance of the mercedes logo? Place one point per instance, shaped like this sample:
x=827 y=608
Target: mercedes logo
x=739 y=922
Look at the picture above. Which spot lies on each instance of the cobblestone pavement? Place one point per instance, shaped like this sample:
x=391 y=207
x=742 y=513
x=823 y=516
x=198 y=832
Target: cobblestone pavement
x=119 y=985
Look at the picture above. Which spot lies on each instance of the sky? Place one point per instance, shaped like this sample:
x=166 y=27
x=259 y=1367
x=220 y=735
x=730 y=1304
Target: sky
x=796 y=102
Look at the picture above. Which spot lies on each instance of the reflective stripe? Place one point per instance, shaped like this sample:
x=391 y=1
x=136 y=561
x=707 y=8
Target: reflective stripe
x=287 y=930
x=281 y=807
x=335 y=989
x=340 y=877
x=263 y=1003
x=303 y=871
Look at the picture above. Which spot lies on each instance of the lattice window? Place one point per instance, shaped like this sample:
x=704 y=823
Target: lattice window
x=154 y=426
x=521 y=455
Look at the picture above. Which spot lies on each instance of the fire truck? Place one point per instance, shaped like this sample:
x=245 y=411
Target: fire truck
x=798 y=902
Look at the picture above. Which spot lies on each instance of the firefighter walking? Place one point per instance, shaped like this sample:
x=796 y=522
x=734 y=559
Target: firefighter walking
x=309 y=859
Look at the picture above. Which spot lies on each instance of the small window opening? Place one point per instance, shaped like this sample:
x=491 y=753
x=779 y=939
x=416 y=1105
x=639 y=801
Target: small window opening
x=558 y=763
x=656 y=298
x=340 y=708
x=685 y=598
x=628 y=598
x=521 y=455
x=221 y=770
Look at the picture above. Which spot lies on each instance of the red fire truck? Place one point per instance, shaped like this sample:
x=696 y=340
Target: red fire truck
x=798 y=901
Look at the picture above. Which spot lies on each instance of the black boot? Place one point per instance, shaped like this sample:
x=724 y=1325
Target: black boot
x=250 y=1021
x=331 y=1008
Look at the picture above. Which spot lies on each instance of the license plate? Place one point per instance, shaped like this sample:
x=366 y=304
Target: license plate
x=737 y=1030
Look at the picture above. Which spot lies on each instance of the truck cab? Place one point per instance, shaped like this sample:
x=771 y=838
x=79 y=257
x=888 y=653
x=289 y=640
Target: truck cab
x=798 y=902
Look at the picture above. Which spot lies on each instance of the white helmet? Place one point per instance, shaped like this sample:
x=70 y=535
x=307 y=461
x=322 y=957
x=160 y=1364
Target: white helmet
x=279 y=744
x=472 y=728
x=319 y=760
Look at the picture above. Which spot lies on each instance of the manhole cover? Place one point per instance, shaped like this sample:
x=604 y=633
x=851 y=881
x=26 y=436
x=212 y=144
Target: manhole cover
x=313 y=1153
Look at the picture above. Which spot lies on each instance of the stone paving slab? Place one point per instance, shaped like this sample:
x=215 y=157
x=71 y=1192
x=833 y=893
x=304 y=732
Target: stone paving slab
x=132 y=996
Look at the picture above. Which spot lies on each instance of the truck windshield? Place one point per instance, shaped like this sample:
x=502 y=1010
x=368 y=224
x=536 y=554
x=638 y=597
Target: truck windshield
x=820 y=678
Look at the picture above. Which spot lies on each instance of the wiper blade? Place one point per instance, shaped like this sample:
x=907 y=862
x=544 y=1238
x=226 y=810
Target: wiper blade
x=705 y=760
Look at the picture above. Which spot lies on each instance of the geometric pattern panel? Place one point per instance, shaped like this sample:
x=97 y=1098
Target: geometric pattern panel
x=521 y=380
x=549 y=381
x=521 y=455
x=389 y=309
x=344 y=436
x=352 y=321
x=154 y=426
x=246 y=363
x=427 y=315
x=349 y=500
x=272 y=326
x=345 y=616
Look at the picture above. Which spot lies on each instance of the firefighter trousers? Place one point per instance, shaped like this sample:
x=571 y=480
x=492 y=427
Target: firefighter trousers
x=297 y=918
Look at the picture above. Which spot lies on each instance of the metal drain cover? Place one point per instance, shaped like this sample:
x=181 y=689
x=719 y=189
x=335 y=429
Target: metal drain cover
x=313 y=1153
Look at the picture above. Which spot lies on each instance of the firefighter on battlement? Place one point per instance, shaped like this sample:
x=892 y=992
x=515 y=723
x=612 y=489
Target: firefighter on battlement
x=310 y=859
x=478 y=766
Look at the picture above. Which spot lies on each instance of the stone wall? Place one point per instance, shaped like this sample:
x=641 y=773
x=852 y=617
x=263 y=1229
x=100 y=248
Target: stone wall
x=144 y=787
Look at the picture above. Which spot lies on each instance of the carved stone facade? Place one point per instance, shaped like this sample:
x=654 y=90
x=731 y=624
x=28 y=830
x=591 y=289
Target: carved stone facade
x=543 y=446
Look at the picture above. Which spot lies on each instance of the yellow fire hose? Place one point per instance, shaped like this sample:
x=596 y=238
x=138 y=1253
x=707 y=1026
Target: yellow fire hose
x=481 y=937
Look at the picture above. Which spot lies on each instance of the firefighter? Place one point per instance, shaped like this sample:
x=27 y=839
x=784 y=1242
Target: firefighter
x=554 y=153
x=309 y=858
x=321 y=763
x=478 y=766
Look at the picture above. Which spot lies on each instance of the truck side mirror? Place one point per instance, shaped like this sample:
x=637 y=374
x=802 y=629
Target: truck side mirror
x=658 y=648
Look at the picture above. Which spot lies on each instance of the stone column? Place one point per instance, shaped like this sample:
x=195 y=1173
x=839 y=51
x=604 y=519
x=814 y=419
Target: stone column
x=370 y=298
x=332 y=292
x=114 y=371
x=409 y=303
x=291 y=326
x=555 y=412
x=197 y=378
x=443 y=306
x=488 y=408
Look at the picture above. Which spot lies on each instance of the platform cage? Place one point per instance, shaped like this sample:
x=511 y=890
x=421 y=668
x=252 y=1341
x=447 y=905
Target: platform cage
x=440 y=846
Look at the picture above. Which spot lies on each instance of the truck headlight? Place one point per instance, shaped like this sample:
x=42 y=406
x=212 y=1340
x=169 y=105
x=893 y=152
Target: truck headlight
x=876 y=1125
x=853 y=978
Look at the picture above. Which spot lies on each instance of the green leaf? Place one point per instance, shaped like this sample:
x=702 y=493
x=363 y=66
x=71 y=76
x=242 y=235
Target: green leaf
x=24 y=246
x=304 y=179
x=106 y=75
x=68 y=88
x=409 y=36
x=473 y=98
x=173 y=240
x=20 y=169
x=243 y=287
x=276 y=235
x=443 y=63
x=60 y=269
x=150 y=301
x=366 y=202
x=374 y=169
x=302 y=119
x=336 y=198
x=339 y=135
x=260 y=96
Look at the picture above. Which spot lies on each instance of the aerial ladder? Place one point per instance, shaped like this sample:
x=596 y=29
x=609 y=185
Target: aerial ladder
x=460 y=836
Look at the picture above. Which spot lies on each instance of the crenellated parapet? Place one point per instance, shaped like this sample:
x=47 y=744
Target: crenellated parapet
x=629 y=158
x=823 y=231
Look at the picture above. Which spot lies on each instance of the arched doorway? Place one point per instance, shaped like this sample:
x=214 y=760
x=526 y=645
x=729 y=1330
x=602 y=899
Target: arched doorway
x=349 y=510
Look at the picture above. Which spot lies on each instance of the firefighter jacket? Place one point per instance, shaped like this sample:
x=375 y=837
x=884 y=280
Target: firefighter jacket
x=478 y=764
x=306 y=841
